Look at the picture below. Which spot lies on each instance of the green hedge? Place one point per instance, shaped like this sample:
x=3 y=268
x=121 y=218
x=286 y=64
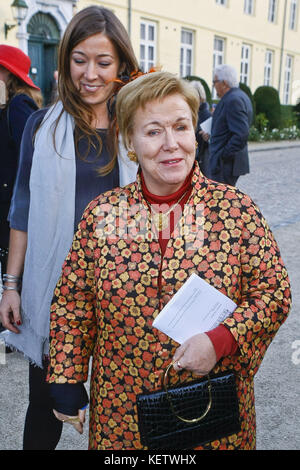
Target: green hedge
x=206 y=87
x=296 y=110
x=288 y=116
x=267 y=102
x=248 y=92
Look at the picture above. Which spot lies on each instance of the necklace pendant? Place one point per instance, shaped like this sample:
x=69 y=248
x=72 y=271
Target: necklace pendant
x=161 y=221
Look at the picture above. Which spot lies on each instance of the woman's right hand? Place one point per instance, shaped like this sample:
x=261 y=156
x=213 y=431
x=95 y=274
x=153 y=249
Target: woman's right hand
x=10 y=310
x=10 y=314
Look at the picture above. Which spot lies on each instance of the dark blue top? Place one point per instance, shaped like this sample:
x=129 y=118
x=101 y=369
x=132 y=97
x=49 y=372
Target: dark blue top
x=12 y=122
x=203 y=114
x=89 y=184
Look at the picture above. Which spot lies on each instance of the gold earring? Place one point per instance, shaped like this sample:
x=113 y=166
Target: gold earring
x=196 y=144
x=132 y=156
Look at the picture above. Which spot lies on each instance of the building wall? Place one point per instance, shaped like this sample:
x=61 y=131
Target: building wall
x=207 y=20
x=60 y=10
x=6 y=17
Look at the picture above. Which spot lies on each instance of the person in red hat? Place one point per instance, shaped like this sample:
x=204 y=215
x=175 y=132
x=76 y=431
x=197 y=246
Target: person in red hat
x=17 y=63
x=21 y=97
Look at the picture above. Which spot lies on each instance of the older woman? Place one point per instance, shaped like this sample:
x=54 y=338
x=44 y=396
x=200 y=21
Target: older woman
x=73 y=148
x=129 y=257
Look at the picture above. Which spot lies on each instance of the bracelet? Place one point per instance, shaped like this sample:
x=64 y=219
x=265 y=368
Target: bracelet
x=10 y=278
x=10 y=288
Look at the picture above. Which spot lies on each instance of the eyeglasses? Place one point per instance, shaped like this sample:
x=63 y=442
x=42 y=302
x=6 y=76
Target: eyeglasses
x=216 y=81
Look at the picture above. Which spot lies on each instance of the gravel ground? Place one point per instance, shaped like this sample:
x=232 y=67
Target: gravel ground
x=274 y=184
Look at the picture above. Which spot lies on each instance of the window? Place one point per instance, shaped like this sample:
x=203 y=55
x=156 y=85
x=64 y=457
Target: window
x=147 y=45
x=293 y=14
x=245 y=64
x=249 y=7
x=218 y=57
x=268 y=68
x=219 y=50
x=272 y=11
x=221 y=2
x=186 y=52
x=287 y=79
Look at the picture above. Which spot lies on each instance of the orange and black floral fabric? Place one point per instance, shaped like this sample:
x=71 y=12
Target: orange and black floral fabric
x=108 y=296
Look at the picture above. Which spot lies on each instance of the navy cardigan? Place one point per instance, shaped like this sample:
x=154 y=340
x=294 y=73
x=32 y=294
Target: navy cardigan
x=12 y=122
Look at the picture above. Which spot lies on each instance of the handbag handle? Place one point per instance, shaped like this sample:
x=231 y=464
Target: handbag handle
x=193 y=420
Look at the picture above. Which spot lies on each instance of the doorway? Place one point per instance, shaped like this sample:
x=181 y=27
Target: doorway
x=44 y=37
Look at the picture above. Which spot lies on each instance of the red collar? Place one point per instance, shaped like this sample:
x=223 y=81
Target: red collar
x=170 y=198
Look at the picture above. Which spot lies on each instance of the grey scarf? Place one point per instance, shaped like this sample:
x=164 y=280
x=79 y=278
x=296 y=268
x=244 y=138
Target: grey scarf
x=50 y=229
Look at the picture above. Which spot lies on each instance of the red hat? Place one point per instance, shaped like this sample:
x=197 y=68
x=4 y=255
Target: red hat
x=18 y=63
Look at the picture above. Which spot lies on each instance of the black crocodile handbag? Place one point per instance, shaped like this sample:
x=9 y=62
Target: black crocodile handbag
x=189 y=415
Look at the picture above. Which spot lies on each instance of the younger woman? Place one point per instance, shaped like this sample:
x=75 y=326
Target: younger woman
x=69 y=155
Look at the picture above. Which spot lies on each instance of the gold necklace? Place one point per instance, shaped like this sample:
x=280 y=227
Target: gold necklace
x=161 y=219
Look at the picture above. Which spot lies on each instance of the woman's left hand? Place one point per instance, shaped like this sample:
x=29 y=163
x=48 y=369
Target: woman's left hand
x=196 y=354
x=76 y=421
x=205 y=136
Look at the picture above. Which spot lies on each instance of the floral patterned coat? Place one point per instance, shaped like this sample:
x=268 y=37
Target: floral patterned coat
x=109 y=294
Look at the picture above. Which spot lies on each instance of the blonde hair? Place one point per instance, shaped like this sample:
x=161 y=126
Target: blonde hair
x=147 y=88
x=200 y=89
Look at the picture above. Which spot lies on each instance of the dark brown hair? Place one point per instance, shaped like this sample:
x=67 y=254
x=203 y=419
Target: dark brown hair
x=87 y=22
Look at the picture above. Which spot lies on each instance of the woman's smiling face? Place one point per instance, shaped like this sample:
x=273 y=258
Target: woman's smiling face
x=164 y=140
x=94 y=64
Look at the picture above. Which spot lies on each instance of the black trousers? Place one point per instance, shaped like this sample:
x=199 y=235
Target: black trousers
x=224 y=174
x=42 y=430
x=3 y=262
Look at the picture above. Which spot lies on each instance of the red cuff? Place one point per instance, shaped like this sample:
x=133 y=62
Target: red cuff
x=223 y=341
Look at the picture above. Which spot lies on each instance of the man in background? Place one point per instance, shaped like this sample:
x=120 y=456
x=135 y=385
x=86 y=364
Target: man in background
x=230 y=128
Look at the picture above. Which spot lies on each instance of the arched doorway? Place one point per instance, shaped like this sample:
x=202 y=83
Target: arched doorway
x=44 y=37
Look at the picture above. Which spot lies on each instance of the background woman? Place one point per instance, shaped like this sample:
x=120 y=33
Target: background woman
x=203 y=114
x=22 y=98
x=68 y=157
x=122 y=270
